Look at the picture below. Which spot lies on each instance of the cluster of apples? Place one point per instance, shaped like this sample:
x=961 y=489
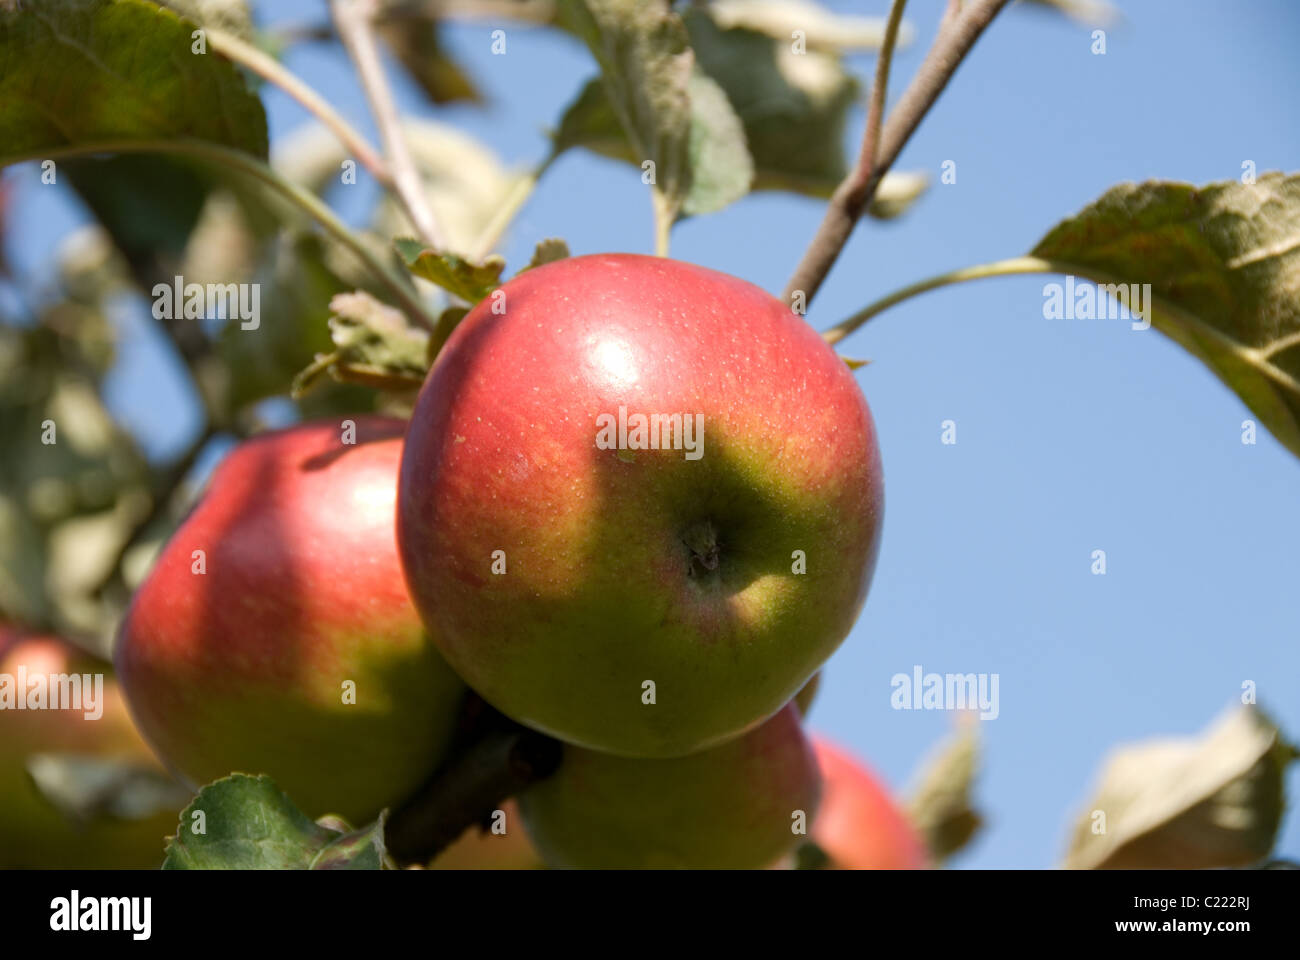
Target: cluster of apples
x=321 y=612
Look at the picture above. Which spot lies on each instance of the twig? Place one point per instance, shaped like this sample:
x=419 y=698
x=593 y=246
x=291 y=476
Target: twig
x=496 y=760
x=267 y=67
x=353 y=19
x=853 y=196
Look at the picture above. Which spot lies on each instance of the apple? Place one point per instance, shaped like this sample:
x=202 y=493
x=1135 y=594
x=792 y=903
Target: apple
x=612 y=580
x=805 y=697
x=732 y=806
x=274 y=634
x=481 y=849
x=859 y=826
x=33 y=833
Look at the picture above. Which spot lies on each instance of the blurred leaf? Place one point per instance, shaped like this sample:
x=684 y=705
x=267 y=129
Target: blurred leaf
x=458 y=276
x=548 y=251
x=463 y=178
x=84 y=788
x=1223 y=262
x=1190 y=802
x=822 y=29
x=448 y=320
x=941 y=806
x=151 y=235
x=375 y=347
x=896 y=194
x=232 y=16
x=646 y=63
x=415 y=43
x=1090 y=13
x=794 y=107
x=852 y=363
x=250 y=825
x=105 y=89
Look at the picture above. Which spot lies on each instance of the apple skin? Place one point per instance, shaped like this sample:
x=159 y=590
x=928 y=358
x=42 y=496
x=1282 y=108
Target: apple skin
x=33 y=834
x=729 y=807
x=478 y=849
x=859 y=825
x=607 y=581
x=243 y=668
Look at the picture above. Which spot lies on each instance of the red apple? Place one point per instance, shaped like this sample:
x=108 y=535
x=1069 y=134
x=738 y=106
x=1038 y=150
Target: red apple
x=274 y=634
x=859 y=826
x=32 y=832
x=733 y=806
x=651 y=601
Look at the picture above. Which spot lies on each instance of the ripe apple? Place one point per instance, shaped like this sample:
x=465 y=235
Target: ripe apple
x=641 y=601
x=479 y=849
x=32 y=832
x=274 y=634
x=859 y=826
x=731 y=806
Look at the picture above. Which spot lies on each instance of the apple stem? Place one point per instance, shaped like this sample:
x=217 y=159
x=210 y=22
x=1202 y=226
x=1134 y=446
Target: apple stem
x=500 y=759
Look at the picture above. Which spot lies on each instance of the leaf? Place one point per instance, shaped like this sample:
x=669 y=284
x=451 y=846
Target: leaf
x=822 y=28
x=458 y=276
x=250 y=825
x=548 y=251
x=356 y=850
x=151 y=236
x=853 y=363
x=940 y=806
x=721 y=168
x=375 y=347
x=1188 y=803
x=1090 y=13
x=83 y=788
x=1223 y=262
x=448 y=320
x=794 y=107
x=415 y=42
x=896 y=194
x=646 y=65
x=232 y=16
x=124 y=72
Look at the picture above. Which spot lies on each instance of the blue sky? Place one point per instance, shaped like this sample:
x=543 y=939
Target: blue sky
x=1073 y=435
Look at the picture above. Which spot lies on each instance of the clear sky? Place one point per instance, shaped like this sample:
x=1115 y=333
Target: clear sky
x=1072 y=435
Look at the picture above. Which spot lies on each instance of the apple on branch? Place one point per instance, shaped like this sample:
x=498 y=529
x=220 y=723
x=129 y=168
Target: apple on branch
x=640 y=503
x=274 y=633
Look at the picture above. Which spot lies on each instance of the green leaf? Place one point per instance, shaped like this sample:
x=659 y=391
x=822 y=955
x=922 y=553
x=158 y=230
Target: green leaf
x=794 y=107
x=374 y=346
x=721 y=169
x=941 y=807
x=458 y=276
x=415 y=42
x=1223 y=262
x=248 y=824
x=1190 y=802
x=548 y=251
x=448 y=320
x=646 y=66
x=125 y=71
